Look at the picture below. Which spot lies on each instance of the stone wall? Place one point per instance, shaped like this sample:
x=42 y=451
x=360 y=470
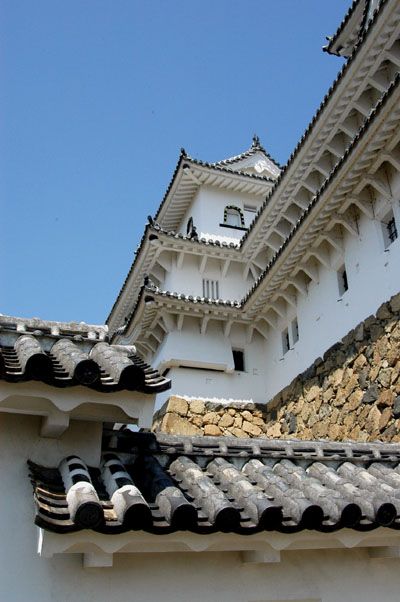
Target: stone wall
x=352 y=393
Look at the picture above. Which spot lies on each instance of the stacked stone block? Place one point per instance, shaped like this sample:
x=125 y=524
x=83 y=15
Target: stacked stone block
x=351 y=393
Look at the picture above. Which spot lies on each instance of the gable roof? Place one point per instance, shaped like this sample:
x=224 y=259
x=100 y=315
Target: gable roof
x=181 y=190
x=295 y=236
x=255 y=148
x=290 y=168
x=162 y=483
x=349 y=27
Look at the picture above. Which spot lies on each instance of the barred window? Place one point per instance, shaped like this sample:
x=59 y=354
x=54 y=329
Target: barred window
x=389 y=229
x=210 y=288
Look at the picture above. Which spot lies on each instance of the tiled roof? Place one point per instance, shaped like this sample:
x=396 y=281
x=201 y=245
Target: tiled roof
x=235 y=303
x=155 y=228
x=199 y=240
x=185 y=158
x=65 y=354
x=255 y=147
x=345 y=21
x=336 y=169
x=285 y=170
x=152 y=289
x=313 y=123
x=165 y=483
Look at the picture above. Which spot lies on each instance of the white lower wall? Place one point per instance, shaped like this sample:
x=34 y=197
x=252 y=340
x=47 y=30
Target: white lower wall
x=329 y=576
x=324 y=317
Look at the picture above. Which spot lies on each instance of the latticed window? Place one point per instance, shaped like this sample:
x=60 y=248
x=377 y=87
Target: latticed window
x=391 y=229
x=210 y=288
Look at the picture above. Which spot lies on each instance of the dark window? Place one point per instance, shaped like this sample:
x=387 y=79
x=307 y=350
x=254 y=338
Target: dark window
x=391 y=230
x=285 y=341
x=344 y=279
x=295 y=331
x=343 y=283
x=238 y=359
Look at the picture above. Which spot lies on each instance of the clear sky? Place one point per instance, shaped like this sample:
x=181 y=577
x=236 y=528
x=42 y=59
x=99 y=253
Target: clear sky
x=97 y=99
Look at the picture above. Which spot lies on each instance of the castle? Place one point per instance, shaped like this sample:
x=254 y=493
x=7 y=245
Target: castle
x=260 y=320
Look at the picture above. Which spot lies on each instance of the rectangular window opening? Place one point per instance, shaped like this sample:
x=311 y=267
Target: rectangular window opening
x=238 y=359
x=210 y=288
x=285 y=341
x=389 y=229
x=295 y=331
x=343 y=283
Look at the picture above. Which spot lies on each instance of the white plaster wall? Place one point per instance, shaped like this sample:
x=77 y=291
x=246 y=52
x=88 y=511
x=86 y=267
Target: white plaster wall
x=207 y=210
x=323 y=316
x=212 y=350
x=329 y=576
x=189 y=280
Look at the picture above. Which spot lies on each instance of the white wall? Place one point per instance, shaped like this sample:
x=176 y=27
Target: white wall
x=188 y=279
x=207 y=211
x=212 y=350
x=328 y=576
x=324 y=317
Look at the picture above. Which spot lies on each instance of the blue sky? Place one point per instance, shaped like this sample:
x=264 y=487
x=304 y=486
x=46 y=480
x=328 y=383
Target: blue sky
x=97 y=99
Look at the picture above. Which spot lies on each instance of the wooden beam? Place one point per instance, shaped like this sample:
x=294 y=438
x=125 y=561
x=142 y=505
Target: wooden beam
x=179 y=260
x=288 y=298
x=380 y=185
x=203 y=263
x=249 y=334
x=227 y=328
x=179 y=321
x=322 y=257
x=350 y=225
x=261 y=556
x=336 y=243
x=165 y=261
x=203 y=325
x=270 y=321
x=300 y=286
x=225 y=267
x=169 y=322
x=363 y=205
x=188 y=172
x=278 y=310
x=263 y=330
x=95 y=560
x=311 y=271
x=384 y=552
x=54 y=425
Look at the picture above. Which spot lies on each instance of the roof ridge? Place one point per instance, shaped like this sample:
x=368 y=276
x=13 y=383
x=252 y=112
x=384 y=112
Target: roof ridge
x=255 y=147
x=332 y=39
x=312 y=123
